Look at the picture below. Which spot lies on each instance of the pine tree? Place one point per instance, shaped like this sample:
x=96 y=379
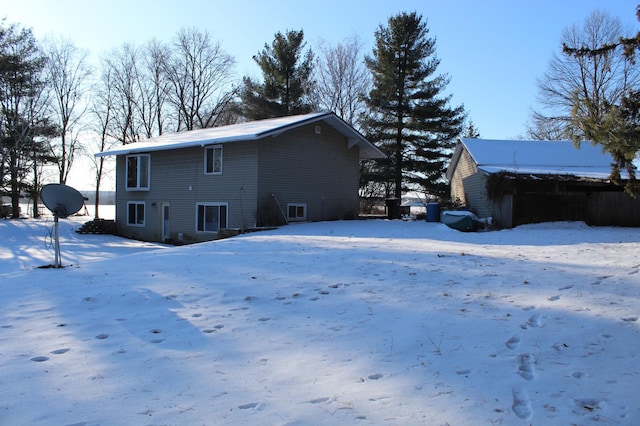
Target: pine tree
x=287 y=74
x=409 y=119
x=470 y=130
x=21 y=109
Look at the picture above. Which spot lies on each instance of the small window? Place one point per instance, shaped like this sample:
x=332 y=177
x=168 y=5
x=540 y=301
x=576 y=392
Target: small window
x=297 y=212
x=211 y=216
x=213 y=160
x=135 y=213
x=138 y=172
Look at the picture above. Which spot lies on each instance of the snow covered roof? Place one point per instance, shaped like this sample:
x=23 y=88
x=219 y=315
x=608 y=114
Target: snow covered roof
x=252 y=130
x=535 y=158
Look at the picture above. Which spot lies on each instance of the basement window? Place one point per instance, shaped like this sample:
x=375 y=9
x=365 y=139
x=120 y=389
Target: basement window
x=296 y=212
x=135 y=213
x=211 y=216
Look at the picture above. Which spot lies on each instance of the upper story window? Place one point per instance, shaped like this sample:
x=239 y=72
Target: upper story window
x=138 y=172
x=213 y=160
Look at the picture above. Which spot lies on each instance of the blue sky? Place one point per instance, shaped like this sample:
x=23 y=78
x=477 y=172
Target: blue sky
x=492 y=50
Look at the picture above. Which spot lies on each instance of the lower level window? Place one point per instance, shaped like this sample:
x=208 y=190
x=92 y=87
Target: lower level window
x=297 y=211
x=135 y=213
x=211 y=216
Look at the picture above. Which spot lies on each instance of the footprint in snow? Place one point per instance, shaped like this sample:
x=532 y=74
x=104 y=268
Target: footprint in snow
x=60 y=351
x=248 y=406
x=319 y=400
x=553 y=298
x=579 y=375
x=513 y=342
x=375 y=376
x=534 y=321
x=40 y=358
x=630 y=319
x=102 y=336
x=525 y=369
x=521 y=404
x=588 y=405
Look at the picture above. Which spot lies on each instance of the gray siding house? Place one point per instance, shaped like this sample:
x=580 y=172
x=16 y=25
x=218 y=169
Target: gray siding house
x=516 y=182
x=193 y=186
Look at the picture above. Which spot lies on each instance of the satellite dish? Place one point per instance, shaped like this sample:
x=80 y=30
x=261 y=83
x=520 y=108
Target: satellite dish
x=63 y=201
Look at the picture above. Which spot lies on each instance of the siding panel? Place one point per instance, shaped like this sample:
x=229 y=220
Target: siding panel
x=318 y=170
x=475 y=186
x=177 y=178
x=465 y=168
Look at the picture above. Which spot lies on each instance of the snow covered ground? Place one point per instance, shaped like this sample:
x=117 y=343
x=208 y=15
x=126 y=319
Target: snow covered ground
x=355 y=322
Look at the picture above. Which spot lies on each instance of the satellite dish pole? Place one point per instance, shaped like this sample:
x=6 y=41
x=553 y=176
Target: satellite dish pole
x=58 y=212
x=57 y=261
x=63 y=201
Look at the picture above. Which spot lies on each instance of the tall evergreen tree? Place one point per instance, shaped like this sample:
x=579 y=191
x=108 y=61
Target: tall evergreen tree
x=21 y=109
x=287 y=73
x=410 y=120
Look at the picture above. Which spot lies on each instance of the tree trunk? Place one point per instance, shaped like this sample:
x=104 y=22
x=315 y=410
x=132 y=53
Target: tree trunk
x=15 y=187
x=98 y=180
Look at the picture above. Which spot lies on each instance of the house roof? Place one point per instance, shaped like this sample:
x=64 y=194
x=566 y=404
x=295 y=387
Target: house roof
x=252 y=130
x=535 y=158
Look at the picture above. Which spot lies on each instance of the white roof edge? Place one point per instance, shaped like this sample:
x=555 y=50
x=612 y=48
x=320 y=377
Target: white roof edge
x=252 y=130
x=131 y=149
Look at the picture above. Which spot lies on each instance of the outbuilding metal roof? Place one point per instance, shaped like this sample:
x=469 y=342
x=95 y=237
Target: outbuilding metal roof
x=536 y=158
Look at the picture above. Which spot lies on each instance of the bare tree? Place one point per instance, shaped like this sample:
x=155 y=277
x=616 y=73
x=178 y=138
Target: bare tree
x=156 y=87
x=200 y=75
x=102 y=110
x=123 y=68
x=583 y=86
x=343 y=79
x=67 y=72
